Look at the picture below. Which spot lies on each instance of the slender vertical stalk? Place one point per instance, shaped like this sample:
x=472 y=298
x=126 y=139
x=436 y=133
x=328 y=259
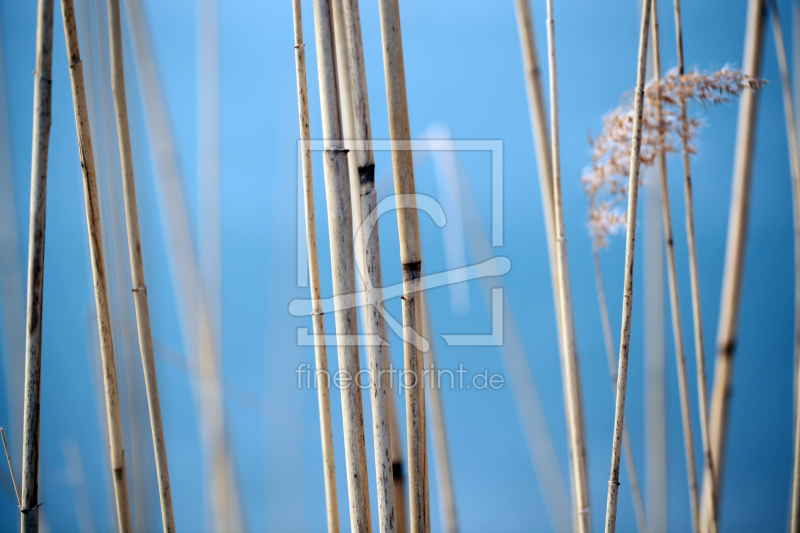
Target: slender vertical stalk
x=702 y=391
x=33 y=328
x=727 y=328
x=195 y=313
x=398 y=467
x=77 y=481
x=569 y=366
x=410 y=257
x=627 y=305
x=794 y=159
x=137 y=267
x=541 y=137
x=337 y=192
x=672 y=276
x=444 y=475
x=627 y=447
x=98 y=266
x=369 y=264
x=320 y=350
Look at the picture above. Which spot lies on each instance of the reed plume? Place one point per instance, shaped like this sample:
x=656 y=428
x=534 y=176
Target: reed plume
x=320 y=349
x=604 y=181
x=29 y=508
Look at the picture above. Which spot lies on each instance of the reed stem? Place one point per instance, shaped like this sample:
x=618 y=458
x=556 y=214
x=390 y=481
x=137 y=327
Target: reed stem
x=627 y=306
x=340 y=225
x=33 y=329
x=569 y=366
x=116 y=451
x=627 y=447
x=369 y=262
x=137 y=267
x=411 y=259
x=794 y=159
x=672 y=277
x=320 y=349
x=733 y=276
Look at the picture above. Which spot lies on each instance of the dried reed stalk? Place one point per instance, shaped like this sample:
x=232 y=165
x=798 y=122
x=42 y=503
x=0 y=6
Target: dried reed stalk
x=411 y=258
x=33 y=329
x=348 y=36
x=633 y=189
x=320 y=349
x=117 y=453
x=702 y=391
x=672 y=277
x=794 y=159
x=734 y=256
x=137 y=267
x=633 y=477
x=196 y=322
x=398 y=467
x=444 y=475
x=337 y=192
x=541 y=137
x=570 y=363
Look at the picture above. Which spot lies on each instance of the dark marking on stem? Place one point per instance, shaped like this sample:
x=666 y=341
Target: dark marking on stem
x=366 y=174
x=397 y=471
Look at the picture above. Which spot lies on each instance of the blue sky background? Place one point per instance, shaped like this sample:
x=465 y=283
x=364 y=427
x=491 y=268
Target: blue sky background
x=463 y=69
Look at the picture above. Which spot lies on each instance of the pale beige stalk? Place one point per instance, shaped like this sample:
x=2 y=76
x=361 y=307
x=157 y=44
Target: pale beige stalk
x=702 y=391
x=340 y=224
x=627 y=297
x=348 y=36
x=195 y=314
x=116 y=452
x=410 y=257
x=137 y=267
x=627 y=447
x=794 y=159
x=569 y=365
x=444 y=476
x=672 y=277
x=727 y=328
x=33 y=328
x=541 y=138
x=320 y=349
x=398 y=466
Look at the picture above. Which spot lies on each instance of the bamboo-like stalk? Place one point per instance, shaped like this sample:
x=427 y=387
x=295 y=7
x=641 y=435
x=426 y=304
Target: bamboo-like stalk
x=368 y=264
x=98 y=266
x=727 y=328
x=702 y=391
x=672 y=277
x=195 y=314
x=320 y=350
x=627 y=306
x=627 y=447
x=411 y=259
x=794 y=159
x=337 y=192
x=77 y=482
x=569 y=366
x=398 y=467
x=137 y=267
x=444 y=475
x=541 y=137
x=33 y=329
